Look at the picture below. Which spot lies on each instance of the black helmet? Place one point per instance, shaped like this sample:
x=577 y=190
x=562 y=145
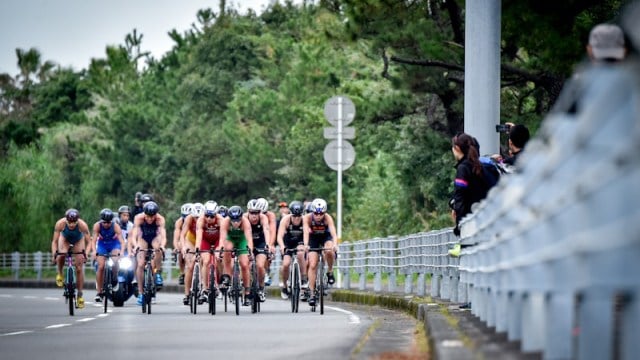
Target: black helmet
x=309 y=208
x=235 y=213
x=72 y=215
x=296 y=208
x=123 y=209
x=150 y=208
x=145 y=198
x=106 y=215
x=223 y=211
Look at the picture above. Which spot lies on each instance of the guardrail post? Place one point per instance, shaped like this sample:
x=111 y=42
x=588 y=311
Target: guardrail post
x=560 y=320
x=166 y=265
x=37 y=264
x=390 y=252
x=274 y=268
x=533 y=323
x=408 y=257
x=15 y=265
x=595 y=319
x=373 y=248
x=345 y=254
x=630 y=347
x=514 y=316
x=361 y=255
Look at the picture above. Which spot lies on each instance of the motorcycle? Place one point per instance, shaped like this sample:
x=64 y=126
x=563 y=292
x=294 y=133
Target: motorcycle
x=126 y=287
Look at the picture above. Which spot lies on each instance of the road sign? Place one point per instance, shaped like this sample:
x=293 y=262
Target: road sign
x=331 y=155
x=336 y=105
x=347 y=133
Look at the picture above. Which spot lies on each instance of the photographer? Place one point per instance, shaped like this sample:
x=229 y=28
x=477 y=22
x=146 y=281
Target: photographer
x=518 y=138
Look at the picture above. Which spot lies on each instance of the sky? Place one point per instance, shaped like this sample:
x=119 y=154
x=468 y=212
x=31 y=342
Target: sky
x=71 y=32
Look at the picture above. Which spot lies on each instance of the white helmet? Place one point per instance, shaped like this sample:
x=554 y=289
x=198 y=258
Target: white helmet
x=185 y=209
x=210 y=207
x=319 y=206
x=253 y=205
x=263 y=204
x=197 y=209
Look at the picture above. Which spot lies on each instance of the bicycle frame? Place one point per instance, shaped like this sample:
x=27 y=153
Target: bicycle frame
x=295 y=281
x=320 y=280
x=107 y=277
x=70 y=281
x=149 y=286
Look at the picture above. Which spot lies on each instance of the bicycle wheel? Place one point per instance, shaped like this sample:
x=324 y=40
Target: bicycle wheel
x=254 y=288
x=106 y=286
x=237 y=288
x=195 y=288
x=295 y=287
x=212 y=289
x=320 y=284
x=149 y=287
x=71 y=289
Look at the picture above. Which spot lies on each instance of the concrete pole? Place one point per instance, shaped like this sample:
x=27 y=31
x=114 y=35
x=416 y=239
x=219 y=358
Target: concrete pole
x=482 y=73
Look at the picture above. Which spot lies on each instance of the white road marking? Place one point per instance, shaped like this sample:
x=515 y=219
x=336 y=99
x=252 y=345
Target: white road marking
x=6 y=295
x=353 y=318
x=102 y=315
x=29 y=297
x=52 y=298
x=452 y=343
x=85 y=319
x=57 y=326
x=16 y=333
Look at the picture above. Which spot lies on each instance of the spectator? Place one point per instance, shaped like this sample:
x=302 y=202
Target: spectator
x=137 y=207
x=606 y=46
x=469 y=185
x=518 y=138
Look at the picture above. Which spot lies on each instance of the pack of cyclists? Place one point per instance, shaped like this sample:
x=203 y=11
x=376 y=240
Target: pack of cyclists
x=207 y=233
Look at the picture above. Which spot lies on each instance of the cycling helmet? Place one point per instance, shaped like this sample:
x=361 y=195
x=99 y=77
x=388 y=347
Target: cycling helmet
x=150 y=208
x=235 y=213
x=185 y=209
x=296 y=208
x=106 y=215
x=319 y=206
x=263 y=204
x=123 y=209
x=210 y=208
x=197 y=209
x=253 y=205
x=145 y=198
x=223 y=211
x=309 y=208
x=72 y=215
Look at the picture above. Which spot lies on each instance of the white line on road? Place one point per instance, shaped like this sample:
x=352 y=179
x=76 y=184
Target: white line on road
x=16 y=333
x=102 y=315
x=52 y=298
x=29 y=297
x=57 y=326
x=353 y=318
x=6 y=295
x=85 y=319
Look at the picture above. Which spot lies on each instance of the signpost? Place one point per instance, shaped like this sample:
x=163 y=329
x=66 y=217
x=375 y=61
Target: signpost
x=339 y=153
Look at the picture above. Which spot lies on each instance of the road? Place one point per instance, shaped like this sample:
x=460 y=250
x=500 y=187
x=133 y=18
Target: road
x=34 y=323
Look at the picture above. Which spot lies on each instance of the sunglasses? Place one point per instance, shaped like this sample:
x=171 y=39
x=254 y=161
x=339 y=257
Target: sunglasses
x=210 y=216
x=72 y=222
x=318 y=213
x=254 y=212
x=107 y=222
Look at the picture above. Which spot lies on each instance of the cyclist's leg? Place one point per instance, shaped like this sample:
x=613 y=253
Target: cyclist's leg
x=188 y=249
x=79 y=260
x=311 y=269
x=63 y=247
x=205 y=246
x=244 y=269
x=227 y=260
x=284 y=269
x=302 y=261
x=141 y=262
x=329 y=259
x=261 y=261
x=157 y=260
x=100 y=272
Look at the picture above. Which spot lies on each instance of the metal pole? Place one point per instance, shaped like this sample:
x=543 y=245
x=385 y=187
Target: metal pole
x=339 y=195
x=482 y=73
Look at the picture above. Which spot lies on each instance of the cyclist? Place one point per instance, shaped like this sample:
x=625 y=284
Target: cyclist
x=319 y=231
x=185 y=210
x=148 y=231
x=70 y=230
x=273 y=229
x=107 y=238
x=261 y=236
x=290 y=237
x=124 y=220
x=235 y=230
x=222 y=210
x=208 y=237
x=188 y=246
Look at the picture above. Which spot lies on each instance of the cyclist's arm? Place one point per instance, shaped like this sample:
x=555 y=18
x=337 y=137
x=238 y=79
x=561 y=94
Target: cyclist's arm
x=163 y=231
x=57 y=229
x=224 y=229
x=272 y=228
x=84 y=228
x=176 y=234
x=199 y=231
x=185 y=228
x=92 y=241
x=283 y=230
x=332 y=229
x=118 y=231
x=305 y=230
x=246 y=226
x=266 y=229
x=132 y=239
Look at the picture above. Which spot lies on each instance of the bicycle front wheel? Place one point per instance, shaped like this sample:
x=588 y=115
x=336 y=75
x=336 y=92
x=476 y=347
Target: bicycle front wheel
x=70 y=283
x=106 y=286
x=195 y=288
x=320 y=285
x=294 y=279
x=237 y=288
x=212 y=289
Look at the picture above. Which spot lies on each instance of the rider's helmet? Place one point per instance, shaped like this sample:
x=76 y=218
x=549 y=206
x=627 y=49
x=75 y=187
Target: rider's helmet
x=309 y=208
x=145 y=198
x=263 y=204
x=235 y=213
x=150 y=208
x=319 y=206
x=296 y=208
x=72 y=215
x=253 y=205
x=185 y=209
x=106 y=215
x=123 y=209
x=210 y=208
x=197 y=209
x=223 y=211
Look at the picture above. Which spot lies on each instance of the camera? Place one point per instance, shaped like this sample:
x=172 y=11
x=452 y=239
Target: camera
x=503 y=128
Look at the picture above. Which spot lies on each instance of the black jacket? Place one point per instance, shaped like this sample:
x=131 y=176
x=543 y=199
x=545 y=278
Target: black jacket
x=468 y=188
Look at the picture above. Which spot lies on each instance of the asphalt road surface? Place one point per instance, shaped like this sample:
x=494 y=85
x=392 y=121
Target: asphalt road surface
x=35 y=324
